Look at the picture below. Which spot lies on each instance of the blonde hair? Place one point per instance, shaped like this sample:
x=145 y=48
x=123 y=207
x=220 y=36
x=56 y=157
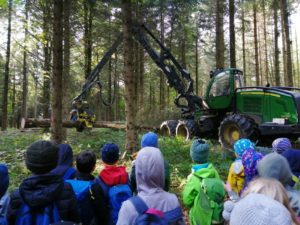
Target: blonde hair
x=274 y=189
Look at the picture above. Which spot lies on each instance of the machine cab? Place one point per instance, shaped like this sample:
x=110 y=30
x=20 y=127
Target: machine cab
x=221 y=88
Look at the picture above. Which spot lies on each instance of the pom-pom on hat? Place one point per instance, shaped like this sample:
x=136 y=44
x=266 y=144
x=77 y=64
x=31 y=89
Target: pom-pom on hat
x=41 y=157
x=241 y=145
x=110 y=153
x=4 y=179
x=280 y=145
x=199 y=151
x=149 y=139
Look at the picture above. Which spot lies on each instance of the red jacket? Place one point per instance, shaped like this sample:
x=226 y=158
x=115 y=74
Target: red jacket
x=113 y=175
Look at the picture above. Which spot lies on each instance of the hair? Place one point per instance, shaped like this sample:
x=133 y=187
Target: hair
x=273 y=189
x=86 y=161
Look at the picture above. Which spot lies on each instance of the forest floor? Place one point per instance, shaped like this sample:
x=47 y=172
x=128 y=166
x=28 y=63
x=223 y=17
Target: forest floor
x=13 y=144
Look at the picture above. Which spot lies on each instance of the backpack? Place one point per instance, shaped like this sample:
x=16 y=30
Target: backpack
x=3 y=220
x=69 y=172
x=150 y=216
x=83 y=193
x=208 y=204
x=44 y=216
x=115 y=195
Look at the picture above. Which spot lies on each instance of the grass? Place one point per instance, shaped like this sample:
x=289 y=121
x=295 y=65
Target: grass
x=13 y=144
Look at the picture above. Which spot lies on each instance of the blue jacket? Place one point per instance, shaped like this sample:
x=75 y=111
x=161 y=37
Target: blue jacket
x=293 y=157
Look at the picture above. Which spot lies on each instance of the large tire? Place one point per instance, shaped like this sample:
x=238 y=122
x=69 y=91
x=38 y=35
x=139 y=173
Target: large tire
x=234 y=127
x=187 y=129
x=168 y=127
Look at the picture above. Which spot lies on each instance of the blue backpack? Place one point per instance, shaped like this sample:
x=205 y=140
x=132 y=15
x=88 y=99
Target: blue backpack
x=155 y=217
x=116 y=195
x=69 y=172
x=83 y=193
x=44 y=216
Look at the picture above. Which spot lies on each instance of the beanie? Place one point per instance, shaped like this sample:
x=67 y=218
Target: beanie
x=149 y=140
x=110 y=153
x=4 y=179
x=241 y=145
x=258 y=209
x=41 y=157
x=281 y=144
x=275 y=166
x=199 y=151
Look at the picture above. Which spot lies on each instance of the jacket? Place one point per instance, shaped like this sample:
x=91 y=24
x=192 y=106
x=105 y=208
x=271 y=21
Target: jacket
x=41 y=190
x=236 y=176
x=113 y=175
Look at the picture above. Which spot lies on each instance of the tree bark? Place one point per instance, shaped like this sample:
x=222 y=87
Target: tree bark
x=286 y=31
x=244 y=43
x=276 y=48
x=265 y=44
x=88 y=21
x=57 y=76
x=220 y=46
x=6 y=72
x=161 y=74
x=297 y=60
x=130 y=98
x=197 y=60
x=232 y=33
x=256 y=44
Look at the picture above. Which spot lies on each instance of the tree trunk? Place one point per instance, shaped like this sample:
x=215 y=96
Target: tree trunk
x=256 y=44
x=197 y=60
x=161 y=74
x=130 y=98
x=220 y=46
x=232 y=33
x=88 y=21
x=276 y=48
x=286 y=31
x=6 y=72
x=109 y=109
x=57 y=76
x=244 y=43
x=25 y=78
x=116 y=88
x=297 y=60
x=13 y=102
x=265 y=42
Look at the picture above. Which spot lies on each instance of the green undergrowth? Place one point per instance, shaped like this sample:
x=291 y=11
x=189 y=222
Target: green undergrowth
x=13 y=144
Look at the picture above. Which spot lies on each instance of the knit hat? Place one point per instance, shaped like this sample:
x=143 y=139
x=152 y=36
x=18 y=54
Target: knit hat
x=4 y=179
x=110 y=153
x=149 y=140
x=275 y=166
x=281 y=144
x=258 y=209
x=241 y=145
x=41 y=157
x=199 y=151
x=250 y=159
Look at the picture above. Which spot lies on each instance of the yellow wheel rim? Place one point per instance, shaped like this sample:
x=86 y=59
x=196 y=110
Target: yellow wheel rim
x=231 y=133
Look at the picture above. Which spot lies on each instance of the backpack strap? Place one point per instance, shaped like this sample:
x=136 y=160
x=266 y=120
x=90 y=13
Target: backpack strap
x=174 y=214
x=139 y=205
x=70 y=171
x=105 y=188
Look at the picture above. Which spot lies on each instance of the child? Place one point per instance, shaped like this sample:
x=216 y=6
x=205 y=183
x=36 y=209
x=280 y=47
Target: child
x=65 y=162
x=150 y=182
x=43 y=188
x=4 y=196
x=149 y=139
x=276 y=166
x=94 y=207
x=280 y=145
x=192 y=193
x=236 y=174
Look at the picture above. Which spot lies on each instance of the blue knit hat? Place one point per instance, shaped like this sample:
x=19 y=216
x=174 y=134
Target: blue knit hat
x=241 y=145
x=4 y=179
x=149 y=140
x=199 y=151
x=281 y=144
x=110 y=153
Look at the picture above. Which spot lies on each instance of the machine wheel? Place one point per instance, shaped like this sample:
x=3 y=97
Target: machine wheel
x=234 y=127
x=168 y=127
x=187 y=129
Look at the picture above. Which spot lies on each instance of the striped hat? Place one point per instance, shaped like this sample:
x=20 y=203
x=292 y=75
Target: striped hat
x=281 y=144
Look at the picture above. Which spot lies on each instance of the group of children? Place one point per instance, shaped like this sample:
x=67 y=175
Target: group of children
x=260 y=189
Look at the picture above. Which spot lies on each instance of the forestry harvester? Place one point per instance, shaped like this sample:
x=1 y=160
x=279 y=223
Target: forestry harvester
x=228 y=109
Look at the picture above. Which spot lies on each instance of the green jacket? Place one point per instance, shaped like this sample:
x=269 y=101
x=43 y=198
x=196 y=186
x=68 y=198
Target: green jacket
x=192 y=190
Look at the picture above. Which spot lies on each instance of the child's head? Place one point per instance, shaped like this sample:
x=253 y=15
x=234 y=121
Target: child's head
x=199 y=151
x=4 y=179
x=280 y=145
x=257 y=209
x=110 y=153
x=65 y=155
x=275 y=166
x=86 y=162
x=41 y=157
x=241 y=146
x=250 y=160
x=149 y=139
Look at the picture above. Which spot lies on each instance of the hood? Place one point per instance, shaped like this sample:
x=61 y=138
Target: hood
x=65 y=159
x=4 y=179
x=40 y=190
x=293 y=158
x=207 y=172
x=275 y=166
x=149 y=171
x=113 y=175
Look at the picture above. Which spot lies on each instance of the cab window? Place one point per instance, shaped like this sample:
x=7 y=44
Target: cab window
x=221 y=85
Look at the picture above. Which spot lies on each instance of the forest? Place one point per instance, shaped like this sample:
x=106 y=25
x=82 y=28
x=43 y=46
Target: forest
x=49 y=48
